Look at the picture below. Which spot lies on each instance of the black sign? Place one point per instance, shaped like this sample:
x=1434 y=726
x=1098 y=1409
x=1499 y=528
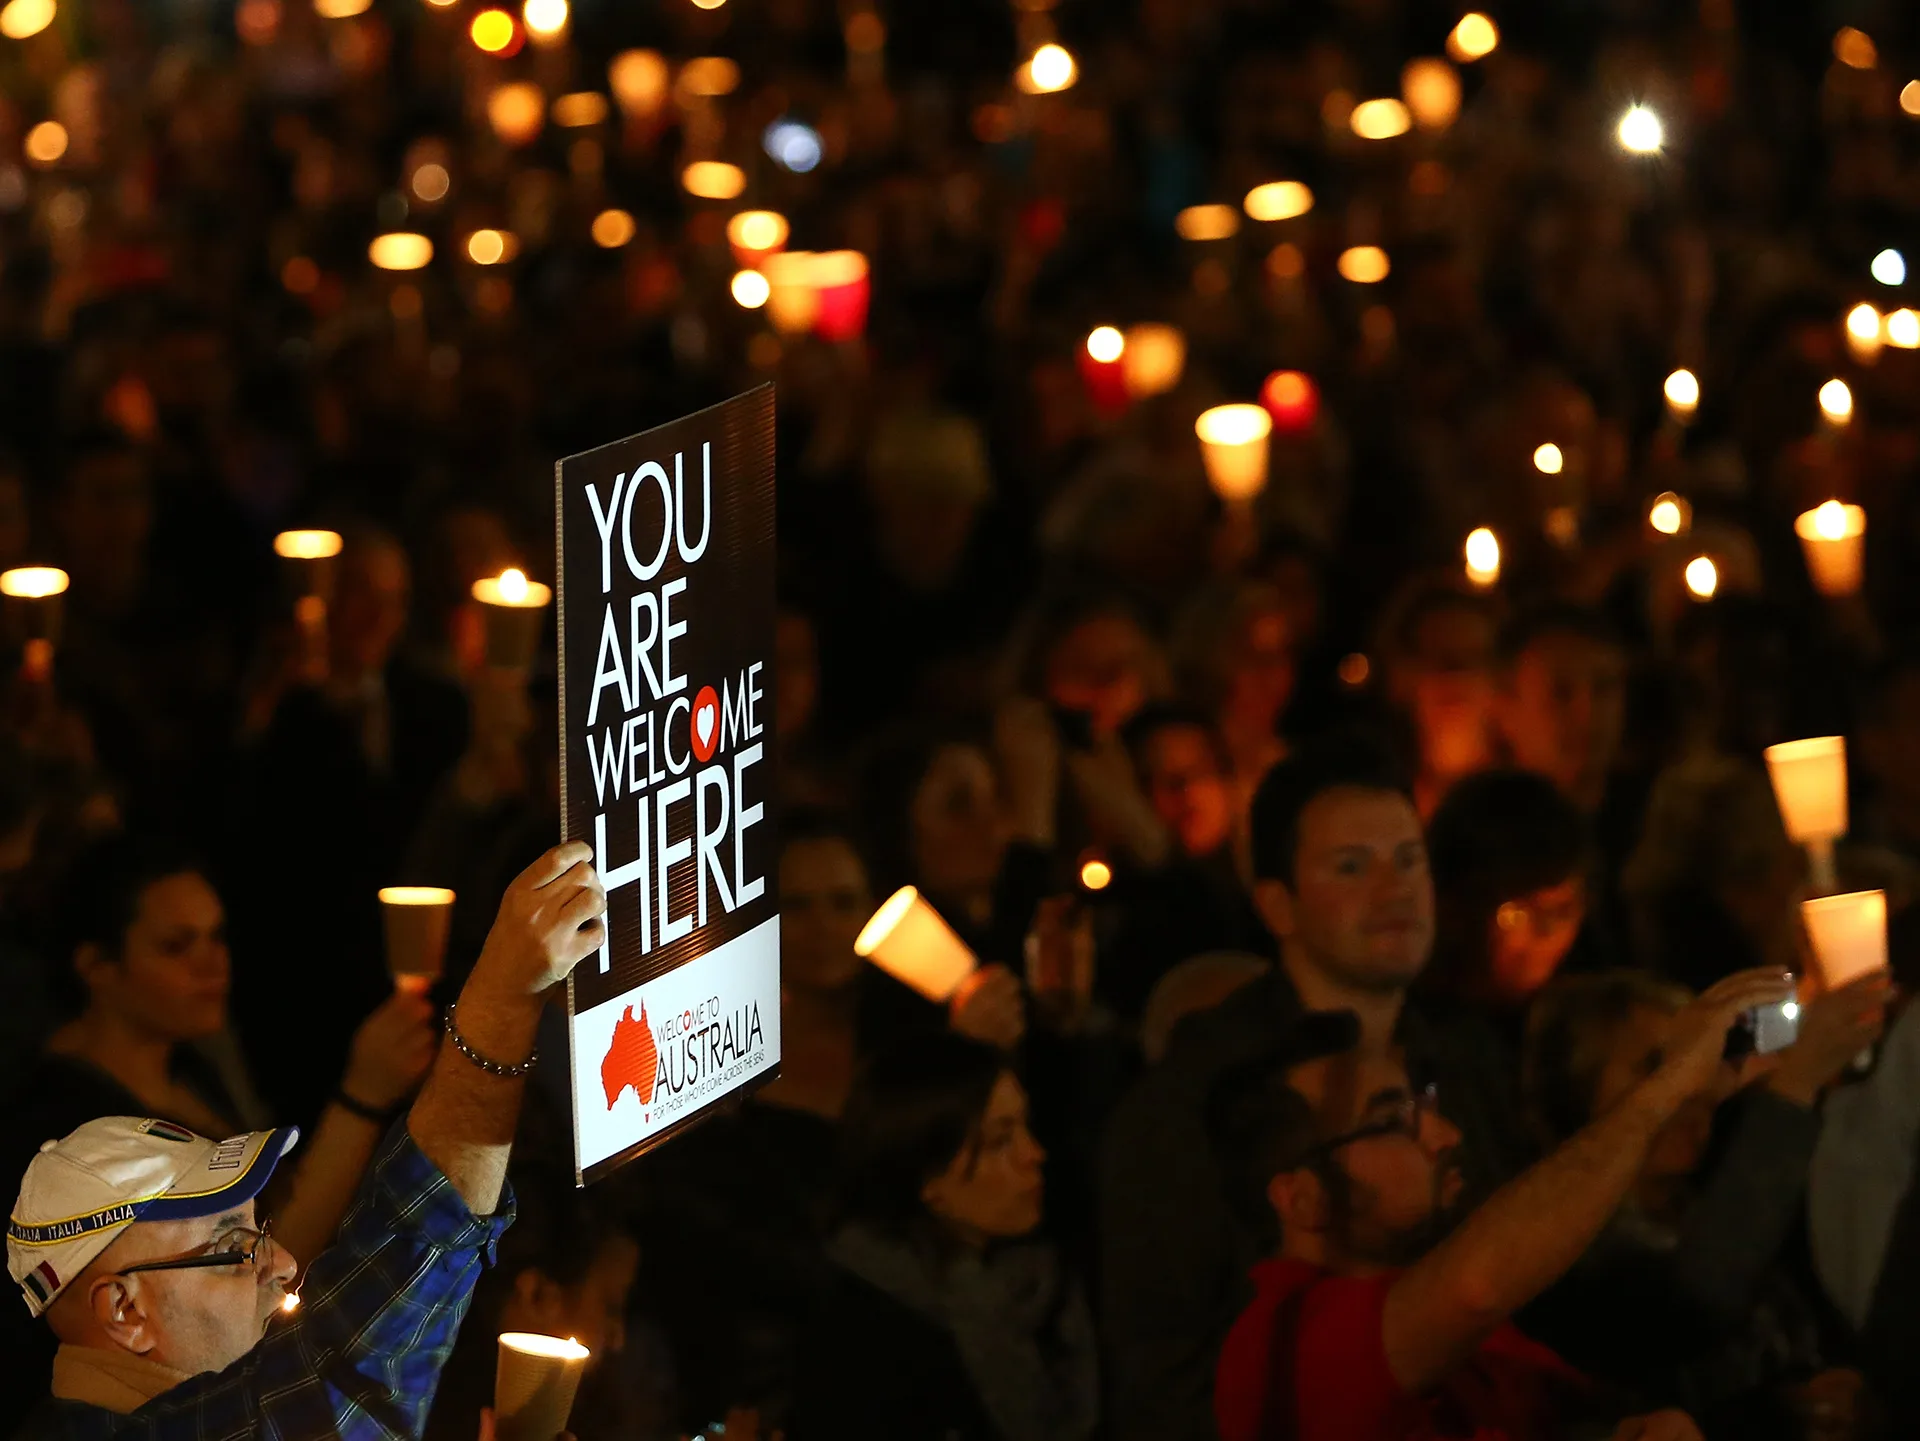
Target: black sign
x=666 y=612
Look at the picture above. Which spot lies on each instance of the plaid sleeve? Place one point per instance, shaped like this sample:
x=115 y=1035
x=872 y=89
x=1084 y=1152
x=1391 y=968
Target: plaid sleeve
x=378 y=1315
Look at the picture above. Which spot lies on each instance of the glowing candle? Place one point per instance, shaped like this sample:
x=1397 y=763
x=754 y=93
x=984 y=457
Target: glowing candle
x=792 y=298
x=1152 y=358
x=512 y=605
x=1233 y=447
x=756 y=234
x=1670 y=514
x=534 y=1385
x=1810 y=785
x=908 y=940
x=1849 y=935
x=1292 y=399
x=1103 y=367
x=417 y=920
x=1683 y=394
x=33 y=600
x=1833 y=539
x=1483 y=557
x=842 y=281
x=1836 y=402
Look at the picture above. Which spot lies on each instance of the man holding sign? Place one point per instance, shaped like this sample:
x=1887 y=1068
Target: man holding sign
x=666 y=595
x=139 y=1243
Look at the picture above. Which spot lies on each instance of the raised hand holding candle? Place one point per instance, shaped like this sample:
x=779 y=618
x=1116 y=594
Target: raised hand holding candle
x=1833 y=539
x=1849 y=935
x=1810 y=784
x=534 y=1385
x=417 y=921
x=908 y=940
x=513 y=606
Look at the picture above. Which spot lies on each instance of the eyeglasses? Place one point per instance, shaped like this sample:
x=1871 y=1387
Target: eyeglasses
x=248 y=1255
x=1403 y=1118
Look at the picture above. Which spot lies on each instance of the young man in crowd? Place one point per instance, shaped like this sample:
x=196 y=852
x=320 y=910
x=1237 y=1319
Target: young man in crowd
x=140 y=1245
x=1342 y=883
x=1380 y=1319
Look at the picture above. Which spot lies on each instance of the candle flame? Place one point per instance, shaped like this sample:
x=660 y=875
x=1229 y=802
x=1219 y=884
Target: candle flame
x=513 y=586
x=1096 y=875
x=1548 y=460
x=1836 y=401
x=1703 y=577
x=1666 y=514
x=1683 y=391
x=1106 y=344
x=290 y=1302
x=1641 y=131
x=1830 y=521
x=1483 y=556
x=33 y=582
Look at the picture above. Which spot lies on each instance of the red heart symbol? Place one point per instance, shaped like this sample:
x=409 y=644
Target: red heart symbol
x=704 y=724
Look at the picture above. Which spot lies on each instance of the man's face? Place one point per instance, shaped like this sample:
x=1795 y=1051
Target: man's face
x=1561 y=712
x=1360 y=908
x=196 y=1320
x=1395 y=1191
x=1188 y=791
x=369 y=607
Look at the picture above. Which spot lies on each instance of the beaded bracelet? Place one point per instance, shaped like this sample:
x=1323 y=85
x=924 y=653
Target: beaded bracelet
x=492 y=1068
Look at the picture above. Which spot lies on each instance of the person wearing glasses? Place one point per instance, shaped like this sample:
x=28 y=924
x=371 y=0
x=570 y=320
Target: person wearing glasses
x=1383 y=1313
x=140 y=1243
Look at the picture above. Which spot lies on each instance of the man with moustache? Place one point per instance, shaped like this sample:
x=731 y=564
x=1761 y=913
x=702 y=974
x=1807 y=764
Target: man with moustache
x=1341 y=881
x=1379 y=1318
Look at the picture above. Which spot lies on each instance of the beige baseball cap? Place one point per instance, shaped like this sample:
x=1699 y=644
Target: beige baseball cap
x=82 y=1191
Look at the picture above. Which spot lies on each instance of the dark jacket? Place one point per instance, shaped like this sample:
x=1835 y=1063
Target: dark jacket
x=1174 y=1254
x=873 y=1370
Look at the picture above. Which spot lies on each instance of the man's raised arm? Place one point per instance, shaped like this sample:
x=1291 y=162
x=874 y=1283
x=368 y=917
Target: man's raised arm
x=464 y=1118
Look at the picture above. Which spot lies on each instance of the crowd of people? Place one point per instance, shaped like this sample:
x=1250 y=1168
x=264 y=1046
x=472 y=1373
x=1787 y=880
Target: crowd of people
x=1360 y=932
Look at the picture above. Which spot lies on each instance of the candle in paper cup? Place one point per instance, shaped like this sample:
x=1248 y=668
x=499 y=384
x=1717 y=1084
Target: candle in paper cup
x=514 y=607
x=842 y=285
x=1810 y=784
x=534 y=1384
x=908 y=940
x=35 y=591
x=1849 y=935
x=1233 y=446
x=1833 y=539
x=417 y=920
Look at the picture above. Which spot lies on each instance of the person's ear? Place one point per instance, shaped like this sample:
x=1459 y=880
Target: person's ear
x=89 y=962
x=1275 y=902
x=123 y=1314
x=1299 y=1201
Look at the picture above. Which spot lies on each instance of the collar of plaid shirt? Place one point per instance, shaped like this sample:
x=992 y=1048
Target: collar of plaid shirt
x=361 y=1358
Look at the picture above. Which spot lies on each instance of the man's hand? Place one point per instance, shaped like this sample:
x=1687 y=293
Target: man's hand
x=1660 y=1426
x=1834 y=1028
x=549 y=921
x=990 y=1007
x=1699 y=1044
x=391 y=1051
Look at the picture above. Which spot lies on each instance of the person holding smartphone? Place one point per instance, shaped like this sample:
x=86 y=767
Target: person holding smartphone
x=1384 y=1313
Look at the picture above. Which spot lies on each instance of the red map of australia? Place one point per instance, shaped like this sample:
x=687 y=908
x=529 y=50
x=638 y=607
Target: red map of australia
x=631 y=1058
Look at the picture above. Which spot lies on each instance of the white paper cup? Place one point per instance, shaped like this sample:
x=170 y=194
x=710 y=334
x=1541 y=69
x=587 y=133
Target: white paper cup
x=908 y=940
x=534 y=1385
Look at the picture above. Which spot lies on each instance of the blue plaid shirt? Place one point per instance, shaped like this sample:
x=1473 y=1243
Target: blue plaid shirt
x=362 y=1356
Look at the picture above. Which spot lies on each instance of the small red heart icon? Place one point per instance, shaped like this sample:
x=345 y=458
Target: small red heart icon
x=704 y=724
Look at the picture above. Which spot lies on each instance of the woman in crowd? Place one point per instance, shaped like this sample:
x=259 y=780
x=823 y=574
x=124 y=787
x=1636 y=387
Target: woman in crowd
x=942 y=1319
x=1685 y=1300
